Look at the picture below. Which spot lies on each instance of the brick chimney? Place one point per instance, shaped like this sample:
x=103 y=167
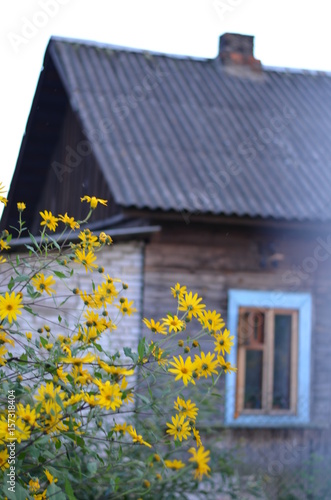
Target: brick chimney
x=237 y=50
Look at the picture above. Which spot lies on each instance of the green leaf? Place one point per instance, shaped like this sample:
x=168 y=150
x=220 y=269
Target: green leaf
x=143 y=398
x=128 y=352
x=21 y=277
x=11 y=284
x=76 y=439
x=57 y=444
x=55 y=243
x=59 y=274
x=141 y=348
x=92 y=468
x=68 y=489
x=28 y=309
x=98 y=346
x=31 y=249
x=43 y=341
x=55 y=492
x=33 y=239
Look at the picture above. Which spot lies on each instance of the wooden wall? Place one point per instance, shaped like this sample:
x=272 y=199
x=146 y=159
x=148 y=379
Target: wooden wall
x=72 y=173
x=211 y=259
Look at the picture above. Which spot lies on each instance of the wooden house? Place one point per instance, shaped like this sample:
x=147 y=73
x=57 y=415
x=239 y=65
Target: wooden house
x=218 y=175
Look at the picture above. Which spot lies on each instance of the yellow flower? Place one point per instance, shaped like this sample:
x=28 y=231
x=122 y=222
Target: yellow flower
x=201 y=458
x=3 y=200
x=110 y=396
x=223 y=342
x=91 y=399
x=10 y=306
x=86 y=259
x=197 y=437
x=2 y=259
x=87 y=299
x=93 y=201
x=211 y=321
x=4 y=339
x=178 y=291
x=226 y=365
x=40 y=496
x=180 y=428
x=159 y=355
x=43 y=284
x=174 y=464
x=34 y=485
x=26 y=414
x=75 y=398
x=22 y=431
x=49 y=220
x=173 y=323
x=191 y=304
x=48 y=393
x=62 y=375
x=4 y=459
x=4 y=245
x=88 y=240
x=28 y=335
x=182 y=369
x=89 y=358
x=105 y=238
x=137 y=438
x=116 y=371
x=109 y=291
x=3 y=352
x=205 y=364
x=155 y=326
x=21 y=206
x=128 y=392
x=66 y=349
x=68 y=221
x=121 y=428
x=125 y=307
x=186 y=408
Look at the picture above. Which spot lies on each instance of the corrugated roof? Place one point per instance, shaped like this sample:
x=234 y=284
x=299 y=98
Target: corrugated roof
x=184 y=134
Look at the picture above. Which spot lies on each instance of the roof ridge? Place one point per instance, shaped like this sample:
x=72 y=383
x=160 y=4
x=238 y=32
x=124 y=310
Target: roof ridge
x=125 y=48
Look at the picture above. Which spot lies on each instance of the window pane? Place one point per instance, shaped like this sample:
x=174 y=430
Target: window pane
x=253 y=380
x=282 y=362
x=251 y=328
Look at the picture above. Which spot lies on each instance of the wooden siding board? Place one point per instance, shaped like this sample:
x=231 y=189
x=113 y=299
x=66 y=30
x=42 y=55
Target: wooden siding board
x=62 y=193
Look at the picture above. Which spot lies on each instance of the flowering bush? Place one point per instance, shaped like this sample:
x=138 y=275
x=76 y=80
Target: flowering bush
x=76 y=418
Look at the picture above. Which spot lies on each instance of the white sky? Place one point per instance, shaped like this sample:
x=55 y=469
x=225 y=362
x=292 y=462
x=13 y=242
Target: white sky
x=288 y=33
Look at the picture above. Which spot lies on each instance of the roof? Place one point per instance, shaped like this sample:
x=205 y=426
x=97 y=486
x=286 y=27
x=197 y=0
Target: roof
x=183 y=134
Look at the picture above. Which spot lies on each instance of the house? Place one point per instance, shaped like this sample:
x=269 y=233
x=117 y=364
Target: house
x=218 y=175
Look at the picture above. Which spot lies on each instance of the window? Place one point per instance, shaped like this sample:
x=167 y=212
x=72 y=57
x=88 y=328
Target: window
x=272 y=353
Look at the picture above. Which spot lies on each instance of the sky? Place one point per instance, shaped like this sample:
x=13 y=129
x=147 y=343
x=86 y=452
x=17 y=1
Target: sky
x=288 y=33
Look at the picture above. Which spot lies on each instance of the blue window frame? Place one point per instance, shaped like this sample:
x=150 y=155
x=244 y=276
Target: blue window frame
x=271 y=302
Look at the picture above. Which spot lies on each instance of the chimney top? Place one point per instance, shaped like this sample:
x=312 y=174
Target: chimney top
x=238 y=50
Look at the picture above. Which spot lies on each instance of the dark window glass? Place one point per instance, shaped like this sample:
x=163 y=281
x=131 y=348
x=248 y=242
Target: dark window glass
x=252 y=328
x=282 y=362
x=253 y=380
